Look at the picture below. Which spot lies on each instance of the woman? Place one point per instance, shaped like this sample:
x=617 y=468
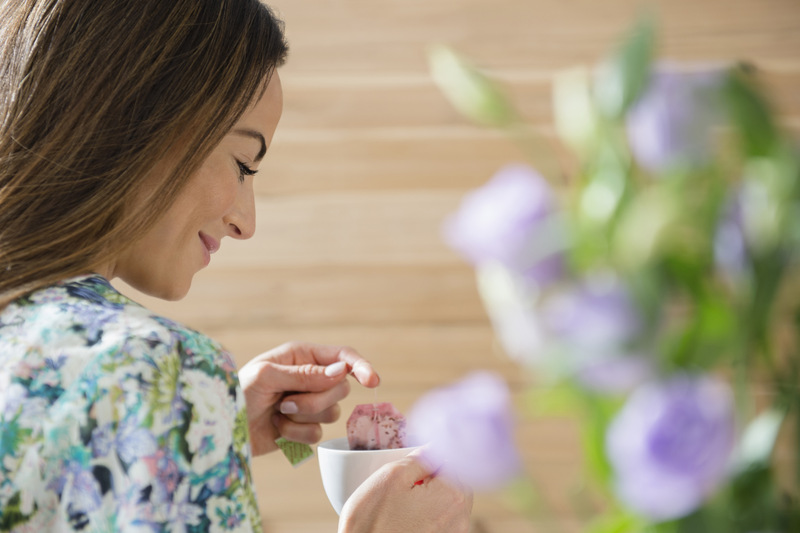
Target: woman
x=130 y=132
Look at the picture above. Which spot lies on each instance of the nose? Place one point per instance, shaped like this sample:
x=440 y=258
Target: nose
x=241 y=219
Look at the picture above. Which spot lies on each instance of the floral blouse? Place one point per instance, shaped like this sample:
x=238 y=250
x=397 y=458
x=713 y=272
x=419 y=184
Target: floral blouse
x=113 y=418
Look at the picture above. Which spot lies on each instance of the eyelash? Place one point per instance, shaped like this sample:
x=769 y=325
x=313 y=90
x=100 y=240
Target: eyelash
x=244 y=170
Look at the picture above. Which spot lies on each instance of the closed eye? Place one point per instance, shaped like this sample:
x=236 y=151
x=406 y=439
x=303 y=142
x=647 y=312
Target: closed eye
x=244 y=170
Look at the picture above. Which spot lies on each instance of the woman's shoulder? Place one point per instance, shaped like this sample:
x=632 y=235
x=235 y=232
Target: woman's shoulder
x=82 y=324
x=131 y=407
x=88 y=311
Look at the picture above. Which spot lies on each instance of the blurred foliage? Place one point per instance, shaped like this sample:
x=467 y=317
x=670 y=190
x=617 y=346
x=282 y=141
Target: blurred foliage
x=660 y=231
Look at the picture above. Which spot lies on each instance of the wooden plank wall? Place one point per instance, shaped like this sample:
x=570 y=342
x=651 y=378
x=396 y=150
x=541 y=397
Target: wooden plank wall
x=368 y=160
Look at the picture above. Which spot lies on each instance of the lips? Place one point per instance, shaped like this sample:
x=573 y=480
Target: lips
x=210 y=244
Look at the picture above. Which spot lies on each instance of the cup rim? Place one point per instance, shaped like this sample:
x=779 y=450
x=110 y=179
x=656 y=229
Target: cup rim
x=340 y=445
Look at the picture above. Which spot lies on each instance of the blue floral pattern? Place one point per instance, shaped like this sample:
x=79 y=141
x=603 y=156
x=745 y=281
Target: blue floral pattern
x=113 y=418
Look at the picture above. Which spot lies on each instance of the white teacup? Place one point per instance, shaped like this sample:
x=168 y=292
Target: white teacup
x=343 y=469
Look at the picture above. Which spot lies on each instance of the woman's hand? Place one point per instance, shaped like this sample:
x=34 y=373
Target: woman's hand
x=292 y=389
x=403 y=496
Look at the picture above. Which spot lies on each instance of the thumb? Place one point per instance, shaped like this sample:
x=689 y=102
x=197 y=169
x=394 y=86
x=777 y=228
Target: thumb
x=303 y=378
x=418 y=466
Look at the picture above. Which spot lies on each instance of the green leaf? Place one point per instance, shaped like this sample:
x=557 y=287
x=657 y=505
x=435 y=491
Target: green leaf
x=574 y=111
x=616 y=522
x=718 y=324
x=599 y=412
x=642 y=227
x=625 y=75
x=750 y=114
x=556 y=400
x=470 y=91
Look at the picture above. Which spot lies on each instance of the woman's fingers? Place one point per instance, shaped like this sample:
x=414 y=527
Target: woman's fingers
x=306 y=433
x=326 y=416
x=297 y=353
x=301 y=414
x=301 y=406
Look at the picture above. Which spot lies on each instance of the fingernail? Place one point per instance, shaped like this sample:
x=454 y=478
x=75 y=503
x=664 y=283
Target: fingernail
x=335 y=369
x=289 y=408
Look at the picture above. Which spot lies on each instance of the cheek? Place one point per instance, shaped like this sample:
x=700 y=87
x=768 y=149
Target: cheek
x=222 y=200
x=215 y=192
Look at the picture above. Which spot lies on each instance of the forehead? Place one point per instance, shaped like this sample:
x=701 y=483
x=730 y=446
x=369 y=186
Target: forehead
x=265 y=112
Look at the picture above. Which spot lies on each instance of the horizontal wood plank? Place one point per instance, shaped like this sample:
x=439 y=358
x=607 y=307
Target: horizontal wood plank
x=338 y=295
x=366 y=228
x=366 y=105
x=334 y=137
x=396 y=159
x=366 y=36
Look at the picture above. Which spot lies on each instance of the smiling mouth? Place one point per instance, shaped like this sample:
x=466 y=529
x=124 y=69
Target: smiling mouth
x=210 y=244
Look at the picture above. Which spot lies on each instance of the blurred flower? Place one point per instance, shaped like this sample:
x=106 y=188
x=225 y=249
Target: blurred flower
x=468 y=429
x=613 y=375
x=594 y=323
x=512 y=220
x=670 y=445
x=670 y=126
x=596 y=312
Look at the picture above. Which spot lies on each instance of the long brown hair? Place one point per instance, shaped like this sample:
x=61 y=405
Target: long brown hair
x=93 y=94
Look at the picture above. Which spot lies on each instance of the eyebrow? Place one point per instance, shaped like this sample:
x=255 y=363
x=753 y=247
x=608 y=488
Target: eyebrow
x=253 y=134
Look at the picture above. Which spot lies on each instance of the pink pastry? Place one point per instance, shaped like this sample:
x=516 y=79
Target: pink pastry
x=376 y=426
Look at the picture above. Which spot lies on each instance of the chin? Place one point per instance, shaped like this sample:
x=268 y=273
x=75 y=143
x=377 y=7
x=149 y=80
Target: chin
x=173 y=296
x=170 y=289
x=174 y=291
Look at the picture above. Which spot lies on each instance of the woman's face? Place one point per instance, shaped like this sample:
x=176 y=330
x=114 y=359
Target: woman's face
x=218 y=201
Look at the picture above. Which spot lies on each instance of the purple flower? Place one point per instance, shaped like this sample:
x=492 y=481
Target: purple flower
x=614 y=375
x=510 y=220
x=671 y=124
x=468 y=430
x=593 y=325
x=596 y=312
x=670 y=445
